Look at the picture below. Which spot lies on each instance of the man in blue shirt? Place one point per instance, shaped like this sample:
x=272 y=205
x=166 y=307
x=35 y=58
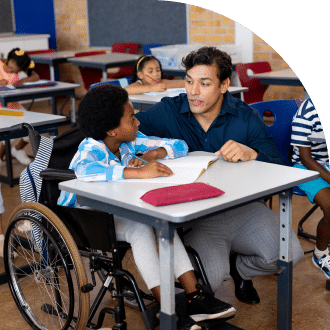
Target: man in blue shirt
x=208 y=118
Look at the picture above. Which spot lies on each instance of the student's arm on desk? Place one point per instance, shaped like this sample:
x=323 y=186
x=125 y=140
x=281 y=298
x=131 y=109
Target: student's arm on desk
x=138 y=88
x=34 y=77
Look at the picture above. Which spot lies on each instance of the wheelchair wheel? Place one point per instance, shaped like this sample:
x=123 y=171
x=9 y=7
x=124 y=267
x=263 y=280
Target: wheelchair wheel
x=44 y=270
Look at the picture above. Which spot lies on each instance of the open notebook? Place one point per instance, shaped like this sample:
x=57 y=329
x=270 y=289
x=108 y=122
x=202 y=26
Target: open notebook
x=185 y=169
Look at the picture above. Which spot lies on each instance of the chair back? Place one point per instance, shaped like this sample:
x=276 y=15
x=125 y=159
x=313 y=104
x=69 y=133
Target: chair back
x=128 y=48
x=42 y=69
x=283 y=112
x=123 y=82
x=146 y=48
x=256 y=90
x=90 y=75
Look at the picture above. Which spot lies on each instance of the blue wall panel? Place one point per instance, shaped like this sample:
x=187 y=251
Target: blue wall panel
x=36 y=17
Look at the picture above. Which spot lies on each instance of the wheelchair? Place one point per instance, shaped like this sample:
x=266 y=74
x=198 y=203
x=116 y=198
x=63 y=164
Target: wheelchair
x=45 y=245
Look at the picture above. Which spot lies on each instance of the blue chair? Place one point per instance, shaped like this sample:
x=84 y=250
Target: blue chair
x=146 y=48
x=283 y=112
x=123 y=82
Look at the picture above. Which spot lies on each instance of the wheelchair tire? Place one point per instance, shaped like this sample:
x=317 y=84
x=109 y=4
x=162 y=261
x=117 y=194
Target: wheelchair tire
x=44 y=270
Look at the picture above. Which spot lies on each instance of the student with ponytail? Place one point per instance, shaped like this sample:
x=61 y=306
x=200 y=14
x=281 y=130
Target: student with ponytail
x=15 y=70
x=148 y=77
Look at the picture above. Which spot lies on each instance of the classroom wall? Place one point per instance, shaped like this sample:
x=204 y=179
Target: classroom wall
x=205 y=27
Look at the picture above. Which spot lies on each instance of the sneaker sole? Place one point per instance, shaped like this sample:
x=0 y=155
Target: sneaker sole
x=317 y=266
x=201 y=317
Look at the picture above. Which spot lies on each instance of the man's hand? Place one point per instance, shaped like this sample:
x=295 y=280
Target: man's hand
x=233 y=152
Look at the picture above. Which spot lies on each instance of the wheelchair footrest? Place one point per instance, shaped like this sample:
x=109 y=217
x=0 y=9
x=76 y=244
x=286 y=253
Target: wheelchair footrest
x=49 y=309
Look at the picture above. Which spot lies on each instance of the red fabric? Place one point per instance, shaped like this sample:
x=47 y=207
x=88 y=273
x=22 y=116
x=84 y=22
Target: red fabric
x=181 y=194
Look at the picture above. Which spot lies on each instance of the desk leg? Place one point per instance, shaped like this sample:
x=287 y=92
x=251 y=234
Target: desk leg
x=52 y=73
x=165 y=240
x=54 y=110
x=284 y=264
x=104 y=75
x=73 y=110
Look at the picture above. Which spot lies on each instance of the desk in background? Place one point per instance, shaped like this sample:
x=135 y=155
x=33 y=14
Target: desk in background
x=146 y=100
x=60 y=89
x=285 y=77
x=243 y=182
x=42 y=123
x=106 y=61
x=53 y=60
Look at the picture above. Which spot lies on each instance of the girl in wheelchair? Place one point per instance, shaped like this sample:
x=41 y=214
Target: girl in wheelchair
x=106 y=118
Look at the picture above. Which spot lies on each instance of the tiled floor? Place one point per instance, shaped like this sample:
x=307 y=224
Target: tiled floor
x=310 y=298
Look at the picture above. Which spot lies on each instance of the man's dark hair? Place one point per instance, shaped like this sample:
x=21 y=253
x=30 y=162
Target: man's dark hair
x=101 y=110
x=210 y=56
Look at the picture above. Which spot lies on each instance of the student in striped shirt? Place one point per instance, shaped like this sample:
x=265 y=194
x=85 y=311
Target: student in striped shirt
x=106 y=118
x=314 y=156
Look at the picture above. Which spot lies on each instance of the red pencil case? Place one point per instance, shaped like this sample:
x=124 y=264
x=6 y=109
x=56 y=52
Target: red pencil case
x=181 y=194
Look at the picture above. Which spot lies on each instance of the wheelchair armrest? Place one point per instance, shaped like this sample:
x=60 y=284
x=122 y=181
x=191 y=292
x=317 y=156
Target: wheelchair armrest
x=58 y=175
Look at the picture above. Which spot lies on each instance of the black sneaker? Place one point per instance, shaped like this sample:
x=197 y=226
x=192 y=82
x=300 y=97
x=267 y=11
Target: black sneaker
x=201 y=305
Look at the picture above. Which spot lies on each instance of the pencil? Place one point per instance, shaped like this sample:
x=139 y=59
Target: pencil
x=142 y=160
x=153 y=79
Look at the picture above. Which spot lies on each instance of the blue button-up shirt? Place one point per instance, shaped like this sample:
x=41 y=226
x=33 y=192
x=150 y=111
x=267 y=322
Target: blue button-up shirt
x=172 y=118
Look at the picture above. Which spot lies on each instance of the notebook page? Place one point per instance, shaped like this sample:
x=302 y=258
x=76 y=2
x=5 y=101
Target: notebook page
x=200 y=161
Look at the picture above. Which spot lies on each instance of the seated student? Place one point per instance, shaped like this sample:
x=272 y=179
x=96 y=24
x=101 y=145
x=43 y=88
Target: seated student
x=148 y=77
x=106 y=118
x=314 y=156
x=17 y=62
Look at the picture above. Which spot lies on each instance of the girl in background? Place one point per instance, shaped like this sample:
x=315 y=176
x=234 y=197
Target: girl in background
x=148 y=77
x=18 y=64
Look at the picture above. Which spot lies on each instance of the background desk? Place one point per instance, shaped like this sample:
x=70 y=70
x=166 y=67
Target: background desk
x=106 y=61
x=280 y=77
x=43 y=123
x=144 y=101
x=53 y=60
x=243 y=182
x=61 y=89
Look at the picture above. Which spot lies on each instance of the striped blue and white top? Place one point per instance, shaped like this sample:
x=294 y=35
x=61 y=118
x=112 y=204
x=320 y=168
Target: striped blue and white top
x=95 y=162
x=305 y=122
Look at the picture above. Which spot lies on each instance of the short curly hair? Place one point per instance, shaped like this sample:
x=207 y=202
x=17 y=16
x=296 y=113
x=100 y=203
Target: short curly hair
x=210 y=56
x=101 y=110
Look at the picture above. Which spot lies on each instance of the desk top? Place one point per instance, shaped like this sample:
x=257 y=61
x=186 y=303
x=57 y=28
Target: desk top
x=242 y=182
x=30 y=117
x=105 y=59
x=39 y=90
x=53 y=56
x=277 y=74
x=154 y=97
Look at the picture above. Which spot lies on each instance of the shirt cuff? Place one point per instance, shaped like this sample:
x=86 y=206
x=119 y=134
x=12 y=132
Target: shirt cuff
x=114 y=173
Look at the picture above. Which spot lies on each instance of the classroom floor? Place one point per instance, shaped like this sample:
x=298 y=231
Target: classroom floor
x=310 y=298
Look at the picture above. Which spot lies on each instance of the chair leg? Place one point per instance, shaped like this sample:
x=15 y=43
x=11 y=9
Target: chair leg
x=301 y=231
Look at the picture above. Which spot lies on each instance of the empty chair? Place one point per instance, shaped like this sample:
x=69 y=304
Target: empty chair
x=42 y=69
x=256 y=90
x=90 y=75
x=128 y=48
x=146 y=48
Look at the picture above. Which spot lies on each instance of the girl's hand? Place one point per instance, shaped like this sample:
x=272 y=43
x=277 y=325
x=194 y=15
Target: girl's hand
x=158 y=153
x=3 y=82
x=158 y=88
x=134 y=162
x=154 y=169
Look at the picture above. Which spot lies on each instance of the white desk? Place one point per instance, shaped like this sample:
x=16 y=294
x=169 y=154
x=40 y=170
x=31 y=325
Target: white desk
x=42 y=123
x=280 y=77
x=146 y=100
x=106 y=61
x=53 y=60
x=60 y=89
x=242 y=182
